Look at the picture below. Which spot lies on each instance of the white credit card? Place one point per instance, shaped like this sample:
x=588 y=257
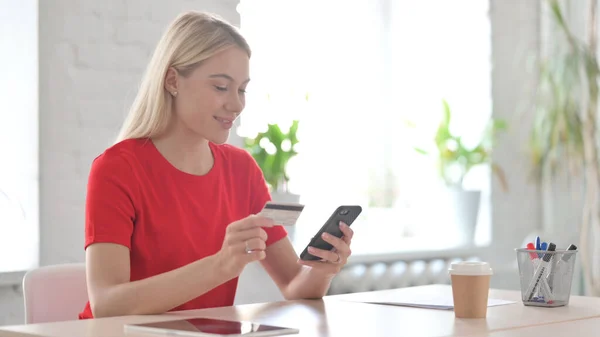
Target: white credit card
x=285 y=214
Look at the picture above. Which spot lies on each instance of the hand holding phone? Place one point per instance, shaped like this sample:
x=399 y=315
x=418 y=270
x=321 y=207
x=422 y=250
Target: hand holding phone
x=346 y=214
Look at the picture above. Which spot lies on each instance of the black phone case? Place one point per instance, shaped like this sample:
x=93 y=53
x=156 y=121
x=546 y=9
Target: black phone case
x=347 y=214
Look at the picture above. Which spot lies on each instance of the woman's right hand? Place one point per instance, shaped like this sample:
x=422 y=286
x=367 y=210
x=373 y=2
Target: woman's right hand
x=245 y=242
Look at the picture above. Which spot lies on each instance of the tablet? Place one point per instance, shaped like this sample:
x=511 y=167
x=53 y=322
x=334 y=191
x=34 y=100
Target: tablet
x=210 y=327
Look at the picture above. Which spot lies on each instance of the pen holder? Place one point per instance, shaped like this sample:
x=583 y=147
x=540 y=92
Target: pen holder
x=546 y=276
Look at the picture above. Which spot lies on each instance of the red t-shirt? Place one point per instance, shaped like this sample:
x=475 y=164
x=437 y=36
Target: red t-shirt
x=169 y=218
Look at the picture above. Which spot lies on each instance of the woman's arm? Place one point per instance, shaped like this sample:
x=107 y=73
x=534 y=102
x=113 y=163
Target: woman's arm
x=112 y=294
x=293 y=279
x=299 y=279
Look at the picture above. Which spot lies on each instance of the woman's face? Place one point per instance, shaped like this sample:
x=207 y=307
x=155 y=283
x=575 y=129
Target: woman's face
x=211 y=97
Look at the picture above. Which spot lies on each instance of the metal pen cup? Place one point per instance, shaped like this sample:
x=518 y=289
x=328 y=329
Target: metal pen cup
x=546 y=276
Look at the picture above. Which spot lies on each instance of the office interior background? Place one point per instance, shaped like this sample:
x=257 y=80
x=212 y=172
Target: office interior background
x=368 y=82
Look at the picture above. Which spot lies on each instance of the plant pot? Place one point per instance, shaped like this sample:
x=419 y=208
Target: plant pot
x=285 y=197
x=464 y=210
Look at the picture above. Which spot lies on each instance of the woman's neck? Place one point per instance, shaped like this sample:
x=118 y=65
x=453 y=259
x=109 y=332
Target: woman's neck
x=188 y=153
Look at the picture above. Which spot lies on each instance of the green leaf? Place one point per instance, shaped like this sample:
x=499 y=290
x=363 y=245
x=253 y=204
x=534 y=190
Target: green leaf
x=447 y=114
x=421 y=151
x=273 y=165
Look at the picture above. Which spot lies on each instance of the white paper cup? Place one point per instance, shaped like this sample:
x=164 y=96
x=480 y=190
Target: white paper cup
x=470 y=288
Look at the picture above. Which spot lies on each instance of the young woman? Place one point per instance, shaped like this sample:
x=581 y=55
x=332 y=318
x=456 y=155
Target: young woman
x=170 y=209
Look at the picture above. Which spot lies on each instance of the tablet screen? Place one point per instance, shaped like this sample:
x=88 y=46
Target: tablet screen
x=214 y=327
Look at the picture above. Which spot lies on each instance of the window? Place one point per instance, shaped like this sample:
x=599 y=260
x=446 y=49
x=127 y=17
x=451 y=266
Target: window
x=19 y=244
x=368 y=68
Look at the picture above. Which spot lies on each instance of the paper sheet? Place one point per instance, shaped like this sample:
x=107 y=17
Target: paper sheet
x=440 y=302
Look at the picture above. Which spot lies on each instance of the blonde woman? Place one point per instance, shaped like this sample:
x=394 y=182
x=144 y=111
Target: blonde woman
x=170 y=209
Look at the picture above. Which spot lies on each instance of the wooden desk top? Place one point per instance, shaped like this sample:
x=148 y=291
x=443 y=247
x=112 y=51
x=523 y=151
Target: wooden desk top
x=580 y=328
x=336 y=316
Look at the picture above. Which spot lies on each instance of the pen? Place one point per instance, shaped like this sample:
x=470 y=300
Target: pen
x=539 y=280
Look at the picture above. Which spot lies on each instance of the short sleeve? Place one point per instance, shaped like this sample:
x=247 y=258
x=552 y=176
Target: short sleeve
x=109 y=206
x=259 y=196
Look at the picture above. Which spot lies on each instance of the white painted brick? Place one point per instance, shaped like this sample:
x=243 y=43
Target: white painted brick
x=58 y=164
x=93 y=140
x=64 y=232
x=103 y=113
x=12 y=309
x=54 y=63
x=69 y=190
x=100 y=84
x=107 y=9
x=139 y=32
x=59 y=8
x=137 y=9
x=89 y=27
x=159 y=10
x=112 y=56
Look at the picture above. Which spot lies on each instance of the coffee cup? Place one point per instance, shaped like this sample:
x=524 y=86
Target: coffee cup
x=470 y=288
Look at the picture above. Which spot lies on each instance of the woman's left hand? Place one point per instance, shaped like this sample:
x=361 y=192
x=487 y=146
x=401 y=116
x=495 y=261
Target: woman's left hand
x=332 y=261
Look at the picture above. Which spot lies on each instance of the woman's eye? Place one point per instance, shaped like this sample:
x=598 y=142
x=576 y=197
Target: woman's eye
x=221 y=88
x=242 y=91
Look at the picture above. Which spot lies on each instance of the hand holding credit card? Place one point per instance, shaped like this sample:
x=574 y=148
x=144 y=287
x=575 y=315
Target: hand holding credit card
x=285 y=214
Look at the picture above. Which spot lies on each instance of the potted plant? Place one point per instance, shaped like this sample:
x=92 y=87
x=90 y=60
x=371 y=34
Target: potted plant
x=455 y=160
x=565 y=132
x=272 y=150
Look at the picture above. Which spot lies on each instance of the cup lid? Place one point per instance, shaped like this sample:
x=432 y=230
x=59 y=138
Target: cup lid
x=474 y=268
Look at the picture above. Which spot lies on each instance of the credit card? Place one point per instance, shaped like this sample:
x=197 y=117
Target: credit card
x=285 y=214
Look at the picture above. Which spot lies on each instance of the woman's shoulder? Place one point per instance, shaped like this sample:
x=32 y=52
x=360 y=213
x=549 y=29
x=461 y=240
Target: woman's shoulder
x=233 y=153
x=120 y=155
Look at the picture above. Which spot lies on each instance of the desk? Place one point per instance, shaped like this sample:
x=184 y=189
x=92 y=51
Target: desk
x=580 y=328
x=336 y=316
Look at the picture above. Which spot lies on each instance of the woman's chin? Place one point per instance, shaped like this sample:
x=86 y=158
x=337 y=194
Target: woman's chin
x=219 y=138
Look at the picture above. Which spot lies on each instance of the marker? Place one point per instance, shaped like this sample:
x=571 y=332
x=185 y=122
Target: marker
x=538 y=245
x=539 y=280
x=533 y=256
x=544 y=246
x=566 y=257
x=555 y=265
x=535 y=259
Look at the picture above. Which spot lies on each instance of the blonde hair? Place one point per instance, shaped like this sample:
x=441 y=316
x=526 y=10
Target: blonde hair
x=190 y=39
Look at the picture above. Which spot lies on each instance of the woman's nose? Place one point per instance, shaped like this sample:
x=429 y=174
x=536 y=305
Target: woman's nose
x=235 y=103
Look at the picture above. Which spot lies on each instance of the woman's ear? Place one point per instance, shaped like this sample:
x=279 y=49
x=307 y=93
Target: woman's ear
x=171 y=81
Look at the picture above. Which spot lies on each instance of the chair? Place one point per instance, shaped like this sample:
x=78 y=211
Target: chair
x=54 y=293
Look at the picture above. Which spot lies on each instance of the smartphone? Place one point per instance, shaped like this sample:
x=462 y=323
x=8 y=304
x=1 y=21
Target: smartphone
x=347 y=214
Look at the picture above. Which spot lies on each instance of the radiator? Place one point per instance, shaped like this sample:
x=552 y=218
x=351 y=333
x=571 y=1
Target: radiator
x=397 y=271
